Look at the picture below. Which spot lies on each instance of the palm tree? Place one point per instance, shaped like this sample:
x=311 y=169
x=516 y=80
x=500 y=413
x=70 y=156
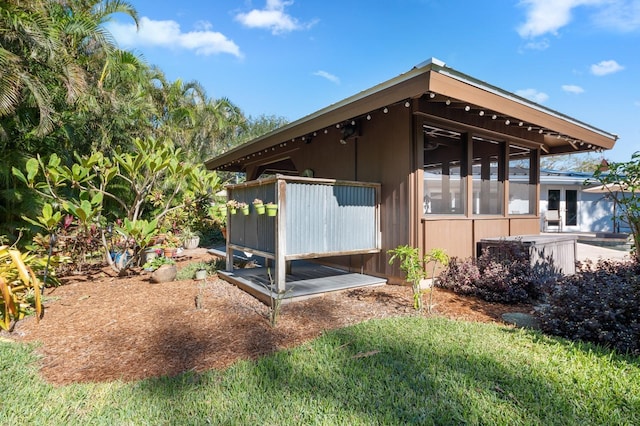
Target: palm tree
x=51 y=53
x=27 y=49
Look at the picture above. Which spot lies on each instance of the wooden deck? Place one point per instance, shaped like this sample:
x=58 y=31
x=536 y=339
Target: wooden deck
x=306 y=279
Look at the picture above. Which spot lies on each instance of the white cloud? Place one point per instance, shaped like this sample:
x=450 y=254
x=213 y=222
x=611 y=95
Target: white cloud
x=203 y=41
x=606 y=67
x=533 y=94
x=548 y=16
x=272 y=17
x=570 y=88
x=332 y=78
x=622 y=15
x=537 y=45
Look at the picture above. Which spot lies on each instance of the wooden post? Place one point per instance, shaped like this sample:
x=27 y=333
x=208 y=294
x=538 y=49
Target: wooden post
x=281 y=236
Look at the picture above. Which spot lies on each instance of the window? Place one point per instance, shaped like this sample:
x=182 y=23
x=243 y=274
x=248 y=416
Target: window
x=447 y=154
x=444 y=184
x=488 y=176
x=522 y=185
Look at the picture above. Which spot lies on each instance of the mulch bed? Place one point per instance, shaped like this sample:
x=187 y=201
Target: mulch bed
x=100 y=327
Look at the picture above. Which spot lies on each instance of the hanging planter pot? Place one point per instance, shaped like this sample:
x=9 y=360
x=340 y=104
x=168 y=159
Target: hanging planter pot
x=233 y=205
x=272 y=209
x=244 y=208
x=258 y=205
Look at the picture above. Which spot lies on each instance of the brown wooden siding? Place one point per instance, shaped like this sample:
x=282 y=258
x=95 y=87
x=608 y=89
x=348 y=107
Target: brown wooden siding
x=524 y=226
x=453 y=235
x=382 y=152
x=460 y=236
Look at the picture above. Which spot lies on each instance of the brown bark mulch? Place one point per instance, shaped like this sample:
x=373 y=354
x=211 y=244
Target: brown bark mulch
x=99 y=327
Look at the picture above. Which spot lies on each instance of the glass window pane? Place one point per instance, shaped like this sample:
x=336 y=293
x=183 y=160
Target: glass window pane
x=522 y=191
x=444 y=185
x=488 y=176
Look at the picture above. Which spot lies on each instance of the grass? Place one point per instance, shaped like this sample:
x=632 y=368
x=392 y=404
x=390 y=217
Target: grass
x=396 y=371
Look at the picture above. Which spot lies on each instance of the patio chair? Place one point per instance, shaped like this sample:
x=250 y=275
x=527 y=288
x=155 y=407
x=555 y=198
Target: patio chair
x=553 y=217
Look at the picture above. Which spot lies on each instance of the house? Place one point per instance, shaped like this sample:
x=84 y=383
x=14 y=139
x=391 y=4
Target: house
x=434 y=151
x=581 y=210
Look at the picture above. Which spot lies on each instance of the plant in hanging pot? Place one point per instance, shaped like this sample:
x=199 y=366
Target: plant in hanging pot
x=244 y=208
x=259 y=206
x=271 y=208
x=232 y=205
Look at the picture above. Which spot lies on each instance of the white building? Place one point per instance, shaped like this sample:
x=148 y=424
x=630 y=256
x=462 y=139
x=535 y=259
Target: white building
x=580 y=211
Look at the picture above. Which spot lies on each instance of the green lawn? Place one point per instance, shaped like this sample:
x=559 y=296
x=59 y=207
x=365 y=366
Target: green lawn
x=398 y=371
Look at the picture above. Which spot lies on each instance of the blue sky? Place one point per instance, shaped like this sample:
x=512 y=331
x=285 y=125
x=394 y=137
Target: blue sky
x=292 y=58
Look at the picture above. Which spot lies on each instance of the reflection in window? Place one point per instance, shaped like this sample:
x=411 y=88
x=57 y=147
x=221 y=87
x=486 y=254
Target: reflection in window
x=444 y=186
x=488 y=176
x=522 y=185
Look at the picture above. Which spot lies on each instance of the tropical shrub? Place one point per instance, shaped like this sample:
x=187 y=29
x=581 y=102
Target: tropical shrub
x=142 y=186
x=20 y=288
x=415 y=268
x=599 y=304
x=622 y=181
x=503 y=273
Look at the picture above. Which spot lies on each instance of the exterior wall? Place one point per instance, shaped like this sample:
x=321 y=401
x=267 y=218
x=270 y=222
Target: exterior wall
x=381 y=153
x=595 y=212
x=460 y=236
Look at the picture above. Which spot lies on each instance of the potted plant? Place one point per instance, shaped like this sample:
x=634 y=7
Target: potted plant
x=258 y=205
x=271 y=208
x=244 y=208
x=171 y=244
x=163 y=269
x=190 y=239
x=222 y=210
x=151 y=253
x=232 y=205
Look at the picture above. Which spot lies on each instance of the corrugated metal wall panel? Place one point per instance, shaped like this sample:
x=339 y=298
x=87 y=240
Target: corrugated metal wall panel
x=330 y=218
x=253 y=231
x=319 y=218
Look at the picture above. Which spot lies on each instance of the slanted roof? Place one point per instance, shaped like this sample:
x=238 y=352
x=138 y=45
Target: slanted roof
x=436 y=83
